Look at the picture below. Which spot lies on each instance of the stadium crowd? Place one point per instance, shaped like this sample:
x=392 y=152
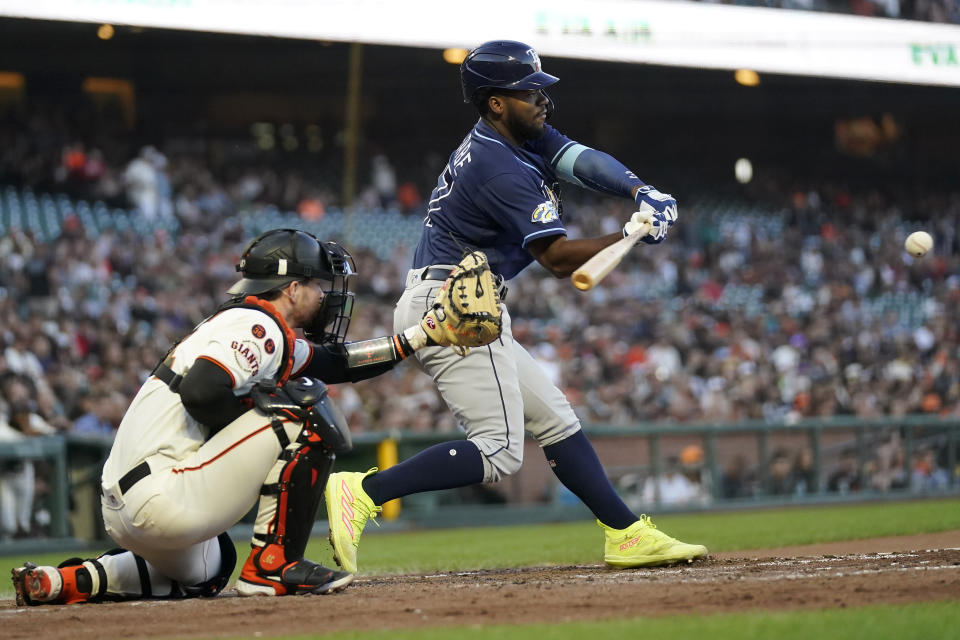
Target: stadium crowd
x=777 y=303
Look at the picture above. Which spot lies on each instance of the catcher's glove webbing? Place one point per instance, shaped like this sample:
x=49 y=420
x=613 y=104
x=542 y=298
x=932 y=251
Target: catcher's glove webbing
x=466 y=312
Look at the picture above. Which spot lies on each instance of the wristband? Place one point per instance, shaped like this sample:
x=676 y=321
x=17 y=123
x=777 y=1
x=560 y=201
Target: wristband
x=415 y=337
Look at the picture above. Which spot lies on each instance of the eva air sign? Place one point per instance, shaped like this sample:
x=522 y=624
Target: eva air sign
x=936 y=55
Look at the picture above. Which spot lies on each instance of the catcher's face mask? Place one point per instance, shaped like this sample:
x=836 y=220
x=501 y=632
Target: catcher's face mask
x=278 y=257
x=330 y=323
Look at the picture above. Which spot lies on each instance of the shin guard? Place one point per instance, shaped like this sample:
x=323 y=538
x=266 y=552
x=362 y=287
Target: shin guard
x=288 y=506
x=291 y=496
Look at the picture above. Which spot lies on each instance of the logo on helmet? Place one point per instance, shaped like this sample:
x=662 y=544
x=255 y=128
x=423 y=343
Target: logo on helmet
x=536 y=59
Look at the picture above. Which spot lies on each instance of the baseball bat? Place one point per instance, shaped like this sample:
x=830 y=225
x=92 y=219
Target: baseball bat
x=596 y=268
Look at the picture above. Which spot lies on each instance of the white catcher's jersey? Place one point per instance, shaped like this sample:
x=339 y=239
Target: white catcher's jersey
x=247 y=343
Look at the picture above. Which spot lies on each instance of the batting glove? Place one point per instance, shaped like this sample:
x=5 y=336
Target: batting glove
x=662 y=203
x=658 y=225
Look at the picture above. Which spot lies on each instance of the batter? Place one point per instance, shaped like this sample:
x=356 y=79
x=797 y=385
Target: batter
x=499 y=193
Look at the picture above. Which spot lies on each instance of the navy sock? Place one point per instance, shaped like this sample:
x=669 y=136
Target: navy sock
x=443 y=466
x=577 y=466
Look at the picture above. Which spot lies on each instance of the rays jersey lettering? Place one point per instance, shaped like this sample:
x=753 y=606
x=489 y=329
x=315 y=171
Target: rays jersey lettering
x=494 y=196
x=445 y=182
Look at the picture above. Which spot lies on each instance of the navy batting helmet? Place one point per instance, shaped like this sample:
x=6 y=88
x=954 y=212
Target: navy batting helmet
x=502 y=64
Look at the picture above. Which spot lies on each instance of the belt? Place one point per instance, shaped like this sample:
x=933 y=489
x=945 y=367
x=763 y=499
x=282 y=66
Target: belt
x=134 y=476
x=435 y=273
x=441 y=273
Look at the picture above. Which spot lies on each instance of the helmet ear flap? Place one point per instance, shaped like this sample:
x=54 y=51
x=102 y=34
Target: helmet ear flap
x=551 y=104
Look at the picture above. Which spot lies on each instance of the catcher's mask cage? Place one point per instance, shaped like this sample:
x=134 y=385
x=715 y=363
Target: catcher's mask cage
x=504 y=64
x=276 y=258
x=330 y=325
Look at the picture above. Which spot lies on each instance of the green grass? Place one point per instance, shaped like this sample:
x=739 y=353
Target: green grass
x=581 y=542
x=929 y=621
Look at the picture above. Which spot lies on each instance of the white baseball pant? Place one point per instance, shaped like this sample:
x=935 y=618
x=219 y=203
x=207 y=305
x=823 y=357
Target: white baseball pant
x=495 y=392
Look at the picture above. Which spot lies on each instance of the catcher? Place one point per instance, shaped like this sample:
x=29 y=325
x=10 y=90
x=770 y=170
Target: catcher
x=238 y=411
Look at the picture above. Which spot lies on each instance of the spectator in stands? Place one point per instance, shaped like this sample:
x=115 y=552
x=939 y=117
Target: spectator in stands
x=408 y=197
x=890 y=471
x=17 y=482
x=846 y=477
x=803 y=479
x=780 y=473
x=927 y=474
x=18 y=477
x=784 y=316
x=674 y=486
x=98 y=415
x=143 y=183
x=384 y=181
x=19 y=396
x=736 y=478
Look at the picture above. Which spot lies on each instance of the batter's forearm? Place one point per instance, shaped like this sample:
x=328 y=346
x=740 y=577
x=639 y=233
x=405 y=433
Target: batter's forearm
x=562 y=257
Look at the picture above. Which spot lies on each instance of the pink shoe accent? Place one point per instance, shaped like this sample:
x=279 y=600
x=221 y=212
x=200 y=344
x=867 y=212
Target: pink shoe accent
x=632 y=542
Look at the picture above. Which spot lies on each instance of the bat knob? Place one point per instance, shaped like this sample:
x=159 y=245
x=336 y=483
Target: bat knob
x=581 y=281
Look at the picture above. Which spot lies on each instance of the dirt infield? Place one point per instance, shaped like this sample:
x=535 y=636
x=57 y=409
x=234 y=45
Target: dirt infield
x=888 y=570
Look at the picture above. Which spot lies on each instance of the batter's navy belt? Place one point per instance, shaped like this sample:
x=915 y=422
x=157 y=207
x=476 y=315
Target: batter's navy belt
x=441 y=273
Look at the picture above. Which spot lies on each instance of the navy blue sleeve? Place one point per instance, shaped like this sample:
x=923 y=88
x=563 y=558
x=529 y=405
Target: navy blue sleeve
x=584 y=166
x=596 y=170
x=551 y=145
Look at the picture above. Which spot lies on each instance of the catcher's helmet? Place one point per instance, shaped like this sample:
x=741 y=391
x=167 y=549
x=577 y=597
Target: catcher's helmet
x=276 y=258
x=502 y=64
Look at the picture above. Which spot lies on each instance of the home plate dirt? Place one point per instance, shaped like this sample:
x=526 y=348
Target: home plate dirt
x=883 y=571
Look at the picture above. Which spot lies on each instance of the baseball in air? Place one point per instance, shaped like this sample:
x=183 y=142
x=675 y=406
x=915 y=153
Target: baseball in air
x=918 y=243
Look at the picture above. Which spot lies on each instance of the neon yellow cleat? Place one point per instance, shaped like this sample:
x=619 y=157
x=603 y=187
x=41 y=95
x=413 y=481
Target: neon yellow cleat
x=348 y=510
x=643 y=545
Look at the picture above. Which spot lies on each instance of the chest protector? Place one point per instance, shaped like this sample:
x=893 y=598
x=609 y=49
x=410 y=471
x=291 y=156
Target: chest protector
x=164 y=370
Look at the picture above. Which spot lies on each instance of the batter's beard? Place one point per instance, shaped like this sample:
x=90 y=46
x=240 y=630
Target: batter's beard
x=524 y=131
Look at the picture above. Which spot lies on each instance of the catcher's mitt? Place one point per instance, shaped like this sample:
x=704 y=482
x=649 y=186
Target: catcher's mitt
x=466 y=312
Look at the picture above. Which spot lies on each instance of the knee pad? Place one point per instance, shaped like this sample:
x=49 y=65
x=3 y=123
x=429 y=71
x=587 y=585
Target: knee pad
x=216 y=584
x=305 y=400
